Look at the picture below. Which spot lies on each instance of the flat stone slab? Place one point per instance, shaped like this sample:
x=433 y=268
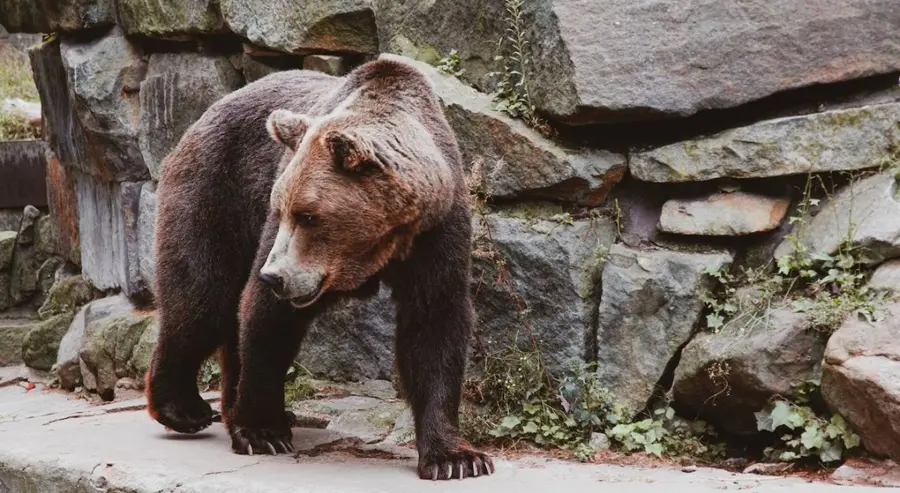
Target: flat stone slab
x=723 y=214
x=55 y=443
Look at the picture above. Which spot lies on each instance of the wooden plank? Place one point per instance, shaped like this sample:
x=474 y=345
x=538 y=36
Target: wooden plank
x=23 y=174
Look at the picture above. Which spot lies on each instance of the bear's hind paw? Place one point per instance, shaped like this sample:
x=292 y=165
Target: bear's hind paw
x=458 y=464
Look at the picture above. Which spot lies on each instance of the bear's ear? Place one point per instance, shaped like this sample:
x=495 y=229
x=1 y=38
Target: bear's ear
x=351 y=154
x=287 y=127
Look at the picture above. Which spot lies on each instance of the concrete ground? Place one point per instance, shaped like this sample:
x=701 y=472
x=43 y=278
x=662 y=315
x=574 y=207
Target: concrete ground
x=53 y=442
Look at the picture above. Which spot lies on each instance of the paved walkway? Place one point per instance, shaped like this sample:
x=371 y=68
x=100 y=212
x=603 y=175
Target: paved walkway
x=51 y=442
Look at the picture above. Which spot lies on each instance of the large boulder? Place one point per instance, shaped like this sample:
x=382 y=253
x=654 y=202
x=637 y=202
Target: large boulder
x=67 y=367
x=728 y=375
x=649 y=309
x=170 y=18
x=866 y=213
x=40 y=346
x=108 y=217
x=178 y=88
x=28 y=262
x=861 y=379
x=113 y=329
x=104 y=77
x=535 y=278
x=352 y=340
x=44 y=16
x=328 y=25
x=723 y=214
x=887 y=277
x=614 y=60
x=509 y=159
x=838 y=140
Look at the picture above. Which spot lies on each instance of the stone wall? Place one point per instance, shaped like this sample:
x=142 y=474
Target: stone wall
x=682 y=136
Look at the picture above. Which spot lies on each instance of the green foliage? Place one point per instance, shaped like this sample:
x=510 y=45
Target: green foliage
x=450 y=64
x=14 y=126
x=512 y=95
x=804 y=434
x=296 y=385
x=828 y=288
x=517 y=400
x=15 y=77
x=210 y=375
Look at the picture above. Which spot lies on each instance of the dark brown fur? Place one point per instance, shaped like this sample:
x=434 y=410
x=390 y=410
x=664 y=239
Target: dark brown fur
x=373 y=173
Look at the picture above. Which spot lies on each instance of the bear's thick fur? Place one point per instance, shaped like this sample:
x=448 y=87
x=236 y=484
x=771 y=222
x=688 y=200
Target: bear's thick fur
x=291 y=192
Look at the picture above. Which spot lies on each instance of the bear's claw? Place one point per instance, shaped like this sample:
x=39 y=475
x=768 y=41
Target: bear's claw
x=459 y=464
x=246 y=440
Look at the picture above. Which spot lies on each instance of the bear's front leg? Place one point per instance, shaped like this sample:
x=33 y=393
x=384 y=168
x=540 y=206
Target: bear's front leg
x=271 y=332
x=434 y=321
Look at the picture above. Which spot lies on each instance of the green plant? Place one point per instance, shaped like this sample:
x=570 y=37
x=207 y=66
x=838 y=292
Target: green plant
x=14 y=126
x=210 y=375
x=804 y=434
x=296 y=384
x=450 y=64
x=512 y=94
x=720 y=305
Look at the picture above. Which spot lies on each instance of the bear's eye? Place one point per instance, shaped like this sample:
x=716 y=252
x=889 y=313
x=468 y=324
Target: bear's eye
x=306 y=220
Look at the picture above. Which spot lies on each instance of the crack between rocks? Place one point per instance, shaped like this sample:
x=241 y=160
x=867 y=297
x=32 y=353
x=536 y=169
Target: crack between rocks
x=101 y=412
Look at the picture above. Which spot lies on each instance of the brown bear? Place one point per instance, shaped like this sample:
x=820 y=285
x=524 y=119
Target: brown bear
x=287 y=194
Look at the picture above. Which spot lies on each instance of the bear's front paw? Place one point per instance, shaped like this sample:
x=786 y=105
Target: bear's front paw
x=184 y=413
x=457 y=463
x=249 y=441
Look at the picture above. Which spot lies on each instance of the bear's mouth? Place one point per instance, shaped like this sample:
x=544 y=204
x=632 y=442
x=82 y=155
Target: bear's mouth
x=308 y=299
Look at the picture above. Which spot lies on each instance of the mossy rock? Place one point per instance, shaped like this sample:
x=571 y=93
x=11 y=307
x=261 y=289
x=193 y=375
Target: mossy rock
x=41 y=344
x=66 y=296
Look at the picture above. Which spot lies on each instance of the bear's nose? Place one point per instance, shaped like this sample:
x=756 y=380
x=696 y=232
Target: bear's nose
x=274 y=281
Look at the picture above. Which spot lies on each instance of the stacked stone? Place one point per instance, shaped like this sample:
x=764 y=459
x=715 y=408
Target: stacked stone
x=678 y=132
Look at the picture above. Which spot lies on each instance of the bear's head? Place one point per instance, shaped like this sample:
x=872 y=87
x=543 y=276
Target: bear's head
x=353 y=194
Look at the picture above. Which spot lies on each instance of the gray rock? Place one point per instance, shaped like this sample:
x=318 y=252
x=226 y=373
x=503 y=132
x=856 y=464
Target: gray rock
x=40 y=346
x=108 y=218
x=46 y=235
x=179 y=87
x=139 y=364
x=62 y=129
x=12 y=336
x=329 y=25
x=599 y=441
x=867 y=212
x=47 y=277
x=860 y=379
x=170 y=18
x=67 y=295
x=352 y=340
x=104 y=77
x=725 y=377
x=110 y=337
x=508 y=159
x=146 y=236
x=723 y=214
x=849 y=139
x=366 y=418
x=328 y=64
x=654 y=58
x=257 y=67
x=26 y=228
x=538 y=278
x=887 y=277
x=650 y=308
x=7 y=247
x=404 y=430
x=67 y=367
x=44 y=16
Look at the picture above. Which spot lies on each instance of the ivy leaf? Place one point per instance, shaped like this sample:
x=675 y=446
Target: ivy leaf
x=788 y=456
x=831 y=452
x=510 y=422
x=531 y=428
x=781 y=415
x=764 y=420
x=714 y=321
x=812 y=437
x=654 y=449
